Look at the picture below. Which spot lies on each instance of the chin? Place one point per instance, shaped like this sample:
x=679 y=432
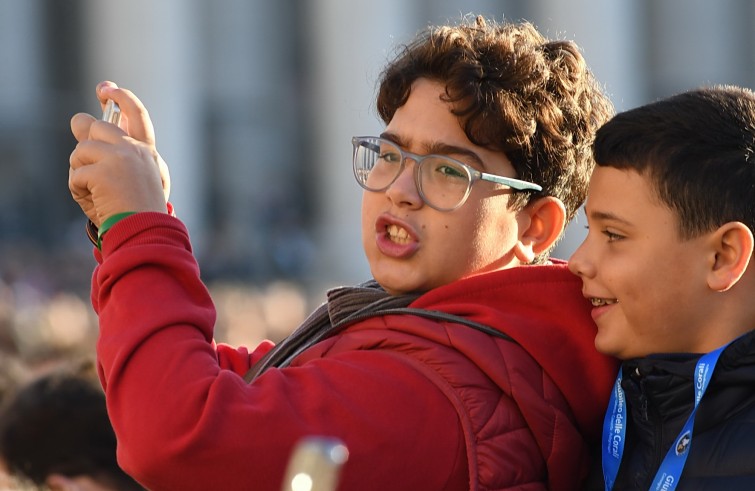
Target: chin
x=390 y=285
x=395 y=286
x=607 y=346
x=389 y=289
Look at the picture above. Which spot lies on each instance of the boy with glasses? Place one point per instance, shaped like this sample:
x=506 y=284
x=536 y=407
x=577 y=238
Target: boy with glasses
x=467 y=363
x=668 y=267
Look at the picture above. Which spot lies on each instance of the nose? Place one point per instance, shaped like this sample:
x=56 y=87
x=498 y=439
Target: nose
x=580 y=263
x=403 y=191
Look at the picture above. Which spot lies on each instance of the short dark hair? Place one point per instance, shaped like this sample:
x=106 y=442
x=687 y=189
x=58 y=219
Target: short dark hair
x=58 y=424
x=515 y=91
x=696 y=148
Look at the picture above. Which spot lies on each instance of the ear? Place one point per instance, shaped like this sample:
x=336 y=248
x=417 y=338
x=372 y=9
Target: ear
x=542 y=223
x=732 y=245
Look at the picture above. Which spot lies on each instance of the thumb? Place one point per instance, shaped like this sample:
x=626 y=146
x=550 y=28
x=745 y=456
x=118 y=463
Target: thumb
x=80 y=125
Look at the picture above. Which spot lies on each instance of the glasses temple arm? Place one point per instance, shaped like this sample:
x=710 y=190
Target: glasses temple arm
x=517 y=184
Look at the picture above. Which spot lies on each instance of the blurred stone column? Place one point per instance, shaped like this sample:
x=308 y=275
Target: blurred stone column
x=252 y=126
x=610 y=35
x=349 y=46
x=153 y=48
x=24 y=102
x=20 y=45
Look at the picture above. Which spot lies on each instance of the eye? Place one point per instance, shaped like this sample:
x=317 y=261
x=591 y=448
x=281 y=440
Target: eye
x=391 y=157
x=445 y=170
x=612 y=236
x=451 y=171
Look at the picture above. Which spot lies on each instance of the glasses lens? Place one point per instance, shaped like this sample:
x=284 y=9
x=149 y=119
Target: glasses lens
x=376 y=163
x=443 y=183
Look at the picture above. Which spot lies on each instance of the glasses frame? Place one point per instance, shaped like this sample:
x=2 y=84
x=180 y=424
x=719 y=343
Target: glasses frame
x=474 y=174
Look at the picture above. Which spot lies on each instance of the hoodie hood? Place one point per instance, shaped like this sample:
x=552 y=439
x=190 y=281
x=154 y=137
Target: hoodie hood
x=542 y=308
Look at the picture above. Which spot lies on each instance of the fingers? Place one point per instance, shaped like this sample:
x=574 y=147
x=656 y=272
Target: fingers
x=88 y=152
x=139 y=124
x=85 y=127
x=77 y=184
x=80 y=124
x=106 y=179
x=106 y=84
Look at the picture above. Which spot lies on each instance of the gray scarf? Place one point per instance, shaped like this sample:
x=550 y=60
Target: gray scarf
x=344 y=306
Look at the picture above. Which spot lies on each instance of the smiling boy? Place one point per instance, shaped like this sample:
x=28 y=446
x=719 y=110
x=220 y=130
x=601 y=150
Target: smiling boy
x=468 y=363
x=668 y=267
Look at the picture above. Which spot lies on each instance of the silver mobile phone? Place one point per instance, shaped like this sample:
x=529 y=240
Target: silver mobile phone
x=315 y=465
x=112 y=112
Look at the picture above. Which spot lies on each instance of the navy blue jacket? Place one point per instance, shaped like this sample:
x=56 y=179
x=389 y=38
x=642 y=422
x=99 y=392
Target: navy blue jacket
x=660 y=396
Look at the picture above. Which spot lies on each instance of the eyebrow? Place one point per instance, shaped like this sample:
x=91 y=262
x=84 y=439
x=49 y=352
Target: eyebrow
x=437 y=147
x=605 y=215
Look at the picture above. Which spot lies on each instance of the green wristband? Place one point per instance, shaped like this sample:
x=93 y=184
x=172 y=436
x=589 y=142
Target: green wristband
x=108 y=224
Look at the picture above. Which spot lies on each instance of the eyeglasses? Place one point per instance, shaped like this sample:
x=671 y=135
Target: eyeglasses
x=443 y=183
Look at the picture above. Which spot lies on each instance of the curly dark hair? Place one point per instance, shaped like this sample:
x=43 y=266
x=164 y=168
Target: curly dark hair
x=513 y=91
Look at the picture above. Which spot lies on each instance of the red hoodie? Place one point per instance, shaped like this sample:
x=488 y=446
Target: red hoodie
x=420 y=404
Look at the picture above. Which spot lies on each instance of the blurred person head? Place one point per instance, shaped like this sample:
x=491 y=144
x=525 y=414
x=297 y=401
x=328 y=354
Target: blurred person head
x=55 y=432
x=12 y=372
x=500 y=99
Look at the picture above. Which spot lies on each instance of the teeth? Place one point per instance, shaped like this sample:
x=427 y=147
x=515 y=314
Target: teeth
x=397 y=234
x=599 y=302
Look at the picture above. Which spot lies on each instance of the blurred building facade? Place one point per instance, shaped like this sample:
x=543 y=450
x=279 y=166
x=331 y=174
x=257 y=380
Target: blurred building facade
x=254 y=103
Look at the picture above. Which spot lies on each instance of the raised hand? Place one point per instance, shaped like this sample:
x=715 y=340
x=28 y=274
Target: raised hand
x=117 y=169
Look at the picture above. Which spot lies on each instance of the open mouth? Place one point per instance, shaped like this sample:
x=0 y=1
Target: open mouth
x=397 y=234
x=600 y=302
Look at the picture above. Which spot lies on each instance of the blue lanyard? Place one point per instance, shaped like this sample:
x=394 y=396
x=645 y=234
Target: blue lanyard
x=614 y=431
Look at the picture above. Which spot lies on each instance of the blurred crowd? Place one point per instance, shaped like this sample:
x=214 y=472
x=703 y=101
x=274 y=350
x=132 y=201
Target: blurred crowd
x=46 y=315
x=37 y=330
x=48 y=331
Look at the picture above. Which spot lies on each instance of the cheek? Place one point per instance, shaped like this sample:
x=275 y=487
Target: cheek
x=368 y=220
x=643 y=297
x=489 y=233
x=496 y=223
